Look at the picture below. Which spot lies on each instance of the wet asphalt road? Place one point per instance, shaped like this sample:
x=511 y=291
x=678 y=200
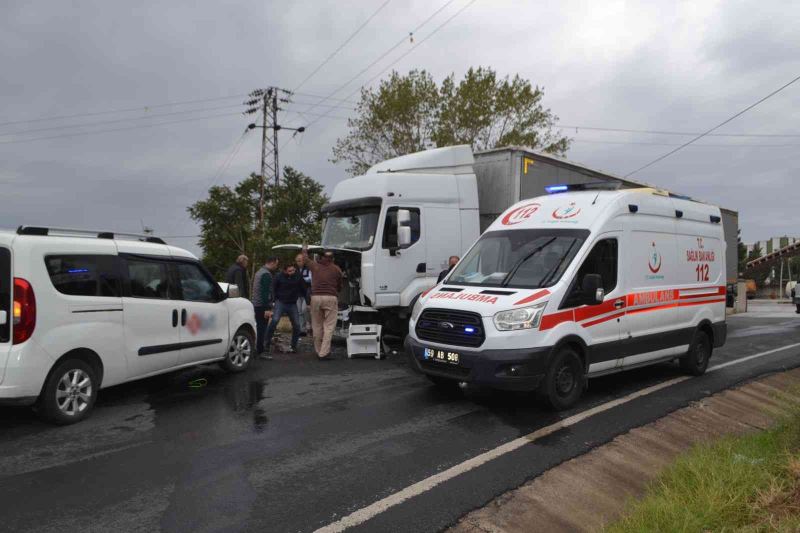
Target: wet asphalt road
x=295 y=444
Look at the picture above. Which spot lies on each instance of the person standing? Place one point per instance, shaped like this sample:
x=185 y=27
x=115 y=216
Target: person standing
x=237 y=275
x=326 y=282
x=262 y=301
x=287 y=288
x=451 y=263
x=302 y=303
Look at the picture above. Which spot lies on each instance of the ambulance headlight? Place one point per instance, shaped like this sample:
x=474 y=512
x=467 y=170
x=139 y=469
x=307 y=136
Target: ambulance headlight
x=522 y=318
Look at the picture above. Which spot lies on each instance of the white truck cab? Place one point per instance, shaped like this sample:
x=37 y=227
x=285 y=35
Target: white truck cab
x=579 y=283
x=393 y=229
x=80 y=311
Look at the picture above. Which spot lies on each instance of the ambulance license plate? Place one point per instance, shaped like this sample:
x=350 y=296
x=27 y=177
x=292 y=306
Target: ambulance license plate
x=441 y=356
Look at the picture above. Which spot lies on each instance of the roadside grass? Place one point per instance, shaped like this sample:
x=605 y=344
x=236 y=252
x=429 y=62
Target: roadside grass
x=749 y=483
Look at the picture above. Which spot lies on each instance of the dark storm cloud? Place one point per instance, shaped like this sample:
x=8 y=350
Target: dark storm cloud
x=666 y=66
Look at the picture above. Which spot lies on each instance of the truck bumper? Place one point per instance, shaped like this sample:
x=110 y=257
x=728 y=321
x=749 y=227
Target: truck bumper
x=518 y=369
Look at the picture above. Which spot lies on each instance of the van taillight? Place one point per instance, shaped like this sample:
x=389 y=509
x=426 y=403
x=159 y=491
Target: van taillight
x=24 y=310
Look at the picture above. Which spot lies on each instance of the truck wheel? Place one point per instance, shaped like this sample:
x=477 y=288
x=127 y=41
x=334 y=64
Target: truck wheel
x=240 y=352
x=696 y=359
x=565 y=379
x=69 y=393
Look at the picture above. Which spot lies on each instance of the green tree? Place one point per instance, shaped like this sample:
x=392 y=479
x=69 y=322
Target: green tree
x=742 y=251
x=410 y=113
x=229 y=225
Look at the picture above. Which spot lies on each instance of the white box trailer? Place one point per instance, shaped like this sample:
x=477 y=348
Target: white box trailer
x=510 y=174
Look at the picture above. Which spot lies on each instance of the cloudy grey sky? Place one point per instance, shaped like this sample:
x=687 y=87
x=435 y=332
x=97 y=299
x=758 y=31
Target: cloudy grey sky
x=682 y=66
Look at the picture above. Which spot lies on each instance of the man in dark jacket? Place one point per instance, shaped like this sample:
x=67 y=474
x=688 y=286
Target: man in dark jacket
x=237 y=275
x=451 y=263
x=287 y=287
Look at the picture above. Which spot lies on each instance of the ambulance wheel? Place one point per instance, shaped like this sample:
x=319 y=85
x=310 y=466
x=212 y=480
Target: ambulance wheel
x=798 y=309
x=565 y=379
x=695 y=361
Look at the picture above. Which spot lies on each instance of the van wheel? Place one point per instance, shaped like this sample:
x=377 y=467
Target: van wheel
x=240 y=352
x=565 y=379
x=696 y=359
x=69 y=394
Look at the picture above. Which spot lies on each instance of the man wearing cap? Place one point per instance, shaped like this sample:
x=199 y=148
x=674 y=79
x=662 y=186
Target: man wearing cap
x=326 y=282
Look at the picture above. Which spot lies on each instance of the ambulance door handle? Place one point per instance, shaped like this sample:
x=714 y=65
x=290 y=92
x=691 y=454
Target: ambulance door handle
x=619 y=304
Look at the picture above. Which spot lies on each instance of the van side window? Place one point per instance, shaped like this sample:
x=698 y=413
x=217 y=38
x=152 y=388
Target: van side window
x=5 y=293
x=195 y=285
x=85 y=275
x=390 y=227
x=148 y=279
x=603 y=260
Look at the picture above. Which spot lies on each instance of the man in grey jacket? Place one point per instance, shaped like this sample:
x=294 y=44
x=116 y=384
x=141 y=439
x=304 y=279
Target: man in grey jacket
x=262 y=301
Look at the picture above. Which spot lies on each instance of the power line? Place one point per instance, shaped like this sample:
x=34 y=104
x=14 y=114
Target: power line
x=728 y=145
x=332 y=106
x=16 y=141
x=431 y=34
x=116 y=121
x=743 y=111
x=380 y=58
x=684 y=133
x=144 y=108
x=321 y=97
x=352 y=36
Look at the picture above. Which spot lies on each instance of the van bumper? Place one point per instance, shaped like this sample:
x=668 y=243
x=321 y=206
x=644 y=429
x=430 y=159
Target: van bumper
x=518 y=369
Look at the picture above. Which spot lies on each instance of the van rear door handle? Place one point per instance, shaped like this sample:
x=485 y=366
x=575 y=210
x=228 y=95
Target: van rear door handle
x=183 y=317
x=174 y=318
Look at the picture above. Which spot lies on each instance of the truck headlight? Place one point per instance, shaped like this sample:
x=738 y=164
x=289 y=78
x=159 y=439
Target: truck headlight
x=416 y=310
x=522 y=318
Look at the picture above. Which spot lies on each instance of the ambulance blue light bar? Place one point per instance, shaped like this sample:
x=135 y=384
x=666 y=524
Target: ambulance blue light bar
x=591 y=186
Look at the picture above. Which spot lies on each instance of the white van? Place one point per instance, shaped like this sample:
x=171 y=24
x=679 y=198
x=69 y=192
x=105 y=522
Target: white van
x=583 y=282
x=84 y=310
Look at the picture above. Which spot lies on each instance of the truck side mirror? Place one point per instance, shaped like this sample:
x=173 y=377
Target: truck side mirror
x=233 y=291
x=3 y=318
x=403 y=236
x=592 y=287
x=403 y=228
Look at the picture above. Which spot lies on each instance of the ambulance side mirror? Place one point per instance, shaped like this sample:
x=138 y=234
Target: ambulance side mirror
x=3 y=318
x=592 y=287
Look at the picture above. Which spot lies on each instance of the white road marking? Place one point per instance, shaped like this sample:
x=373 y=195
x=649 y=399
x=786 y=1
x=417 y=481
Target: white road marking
x=366 y=513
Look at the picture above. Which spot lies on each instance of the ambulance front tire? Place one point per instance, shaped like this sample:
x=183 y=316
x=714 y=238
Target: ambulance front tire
x=695 y=361
x=798 y=309
x=565 y=379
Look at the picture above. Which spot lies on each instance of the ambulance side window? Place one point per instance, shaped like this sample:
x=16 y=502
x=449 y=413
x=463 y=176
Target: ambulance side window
x=603 y=260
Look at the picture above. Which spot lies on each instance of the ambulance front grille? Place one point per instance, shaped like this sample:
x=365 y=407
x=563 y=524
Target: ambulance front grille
x=451 y=327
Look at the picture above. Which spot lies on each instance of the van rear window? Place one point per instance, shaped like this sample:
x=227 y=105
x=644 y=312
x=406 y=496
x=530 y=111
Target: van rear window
x=85 y=275
x=5 y=292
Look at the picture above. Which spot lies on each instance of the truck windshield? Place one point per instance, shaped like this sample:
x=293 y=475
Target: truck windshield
x=351 y=228
x=524 y=259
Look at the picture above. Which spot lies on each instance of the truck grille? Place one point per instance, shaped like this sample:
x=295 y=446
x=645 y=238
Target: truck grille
x=450 y=327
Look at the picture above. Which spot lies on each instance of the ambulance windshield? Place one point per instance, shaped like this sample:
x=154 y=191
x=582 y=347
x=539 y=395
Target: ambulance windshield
x=523 y=259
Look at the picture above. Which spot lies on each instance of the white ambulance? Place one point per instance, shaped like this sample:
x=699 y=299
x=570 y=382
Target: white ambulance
x=580 y=283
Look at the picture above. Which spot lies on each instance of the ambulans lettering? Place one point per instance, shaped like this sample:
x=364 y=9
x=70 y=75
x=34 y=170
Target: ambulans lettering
x=653 y=297
x=471 y=297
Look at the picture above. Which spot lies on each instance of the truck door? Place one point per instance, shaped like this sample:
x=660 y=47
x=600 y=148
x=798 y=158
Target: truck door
x=6 y=314
x=396 y=267
x=203 y=314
